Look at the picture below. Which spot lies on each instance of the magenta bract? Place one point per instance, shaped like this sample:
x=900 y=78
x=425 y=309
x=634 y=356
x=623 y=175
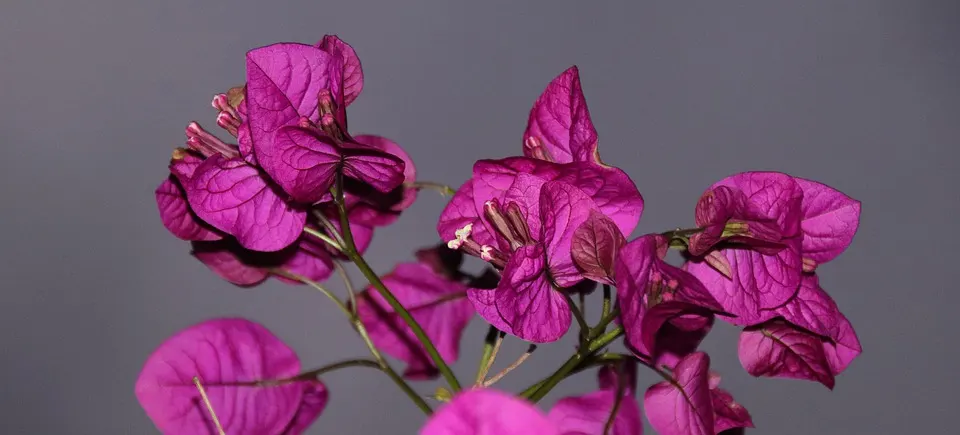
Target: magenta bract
x=524 y=215
x=653 y=294
x=559 y=128
x=683 y=406
x=486 y=412
x=728 y=414
x=779 y=349
x=223 y=351
x=232 y=196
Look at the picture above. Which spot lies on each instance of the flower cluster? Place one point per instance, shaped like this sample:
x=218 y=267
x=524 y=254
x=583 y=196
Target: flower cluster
x=297 y=197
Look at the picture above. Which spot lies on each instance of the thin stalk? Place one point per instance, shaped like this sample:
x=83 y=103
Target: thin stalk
x=325 y=238
x=350 y=249
x=584 y=328
x=362 y=331
x=557 y=376
x=682 y=232
x=329 y=226
x=597 y=360
x=411 y=393
x=490 y=342
x=485 y=369
x=497 y=377
x=206 y=401
x=605 y=339
x=621 y=388
x=591 y=347
x=314 y=284
x=351 y=290
x=604 y=322
x=443 y=189
x=305 y=376
x=607 y=301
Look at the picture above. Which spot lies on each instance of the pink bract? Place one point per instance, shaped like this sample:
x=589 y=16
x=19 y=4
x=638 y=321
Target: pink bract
x=232 y=196
x=652 y=293
x=728 y=414
x=488 y=412
x=778 y=349
x=765 y=266
x=683 y=406
x=559 y=128
x=243 y=267
x=830 y=220
x=223 y=351
x=588 y=414
x=537 y=256
x=173 y=205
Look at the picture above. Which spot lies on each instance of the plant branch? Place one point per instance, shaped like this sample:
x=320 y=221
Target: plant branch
x=604 y=322
x=511 y=367
x=314 y=284
x=621 y=388
x=206 y=401
x=350 y=249
x=351 y=290
x=305 y=376
x=329 y=226
x=385 y=367
x=682 y=232
x=491 y=345
x=607 y=301
x=591 y=346
x=362 y=331
x=325 y=238
x=443 y=189
x=584 y=328
x=597 y=360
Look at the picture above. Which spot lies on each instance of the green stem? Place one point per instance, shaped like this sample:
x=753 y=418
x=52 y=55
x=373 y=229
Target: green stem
x=598 y=360
x=557 y=376
x=351 y=290
x=584 y=328
x=314 y=284
x=561 y=373
x=443 y=189
x=327 y=239
x=682 y=232
x=310 y=375
x=350 y=249
x=411 y=393
x=605 y=339
x=607 y=303
x=489 y=342
x=621 y=388
x=497 y=377
x=362 y=331
x=329 y=226
x=604 y=322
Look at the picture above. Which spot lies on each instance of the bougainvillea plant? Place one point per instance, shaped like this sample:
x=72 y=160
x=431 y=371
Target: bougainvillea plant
x=297 y=196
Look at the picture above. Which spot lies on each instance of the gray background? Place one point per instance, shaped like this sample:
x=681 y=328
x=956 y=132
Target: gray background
x=94 y=95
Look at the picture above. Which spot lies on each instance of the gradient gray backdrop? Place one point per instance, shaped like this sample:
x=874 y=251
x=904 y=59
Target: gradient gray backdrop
x=94 y=95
